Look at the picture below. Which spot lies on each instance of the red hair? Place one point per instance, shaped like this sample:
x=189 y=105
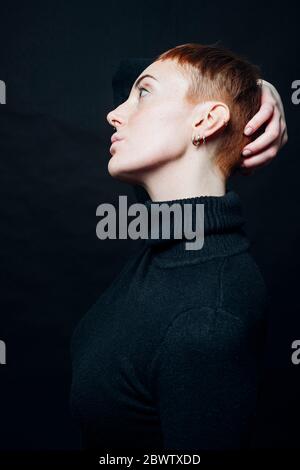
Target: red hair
x=216 y=73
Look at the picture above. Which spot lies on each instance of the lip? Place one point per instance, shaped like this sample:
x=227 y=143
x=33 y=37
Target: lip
x=115 y=137
x=115 y=142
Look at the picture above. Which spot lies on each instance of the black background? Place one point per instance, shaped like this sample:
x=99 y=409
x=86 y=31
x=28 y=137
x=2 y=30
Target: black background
x=57 y=60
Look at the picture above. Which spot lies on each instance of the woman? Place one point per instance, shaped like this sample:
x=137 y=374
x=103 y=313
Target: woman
x=170 y=355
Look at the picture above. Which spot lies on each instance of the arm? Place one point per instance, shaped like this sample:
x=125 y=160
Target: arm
x=266 y=146
x=205 y=378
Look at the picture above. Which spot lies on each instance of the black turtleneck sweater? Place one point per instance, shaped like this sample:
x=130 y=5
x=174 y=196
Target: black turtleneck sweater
x=170 y=355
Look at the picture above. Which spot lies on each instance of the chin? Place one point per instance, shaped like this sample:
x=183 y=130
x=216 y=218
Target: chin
x=123 y=174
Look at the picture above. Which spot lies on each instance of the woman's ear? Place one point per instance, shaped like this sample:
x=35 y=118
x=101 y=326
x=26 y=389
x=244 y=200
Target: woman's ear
x=212 y=117
x=217 y=116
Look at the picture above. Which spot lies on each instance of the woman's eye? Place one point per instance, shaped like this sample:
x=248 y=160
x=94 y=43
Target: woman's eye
x=140 y=89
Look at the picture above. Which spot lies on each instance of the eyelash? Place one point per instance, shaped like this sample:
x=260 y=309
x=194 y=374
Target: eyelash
x=140 y=88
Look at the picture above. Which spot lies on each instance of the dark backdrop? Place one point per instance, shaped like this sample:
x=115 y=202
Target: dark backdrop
x=58 y=60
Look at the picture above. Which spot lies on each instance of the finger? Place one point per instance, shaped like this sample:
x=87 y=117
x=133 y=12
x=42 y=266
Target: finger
x=265 y=112
x=284 y=139
x=257 y=160
x=259 y=166
x=271 y=134
x=269 y=93
x=284 y=136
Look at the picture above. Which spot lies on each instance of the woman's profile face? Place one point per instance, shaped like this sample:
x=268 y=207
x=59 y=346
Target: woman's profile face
x=154 y=123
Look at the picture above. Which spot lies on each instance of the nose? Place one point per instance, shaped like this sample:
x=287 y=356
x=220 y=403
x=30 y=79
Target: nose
x=114 y=119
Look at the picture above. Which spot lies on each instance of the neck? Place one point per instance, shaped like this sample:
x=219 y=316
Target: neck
x=190 y=175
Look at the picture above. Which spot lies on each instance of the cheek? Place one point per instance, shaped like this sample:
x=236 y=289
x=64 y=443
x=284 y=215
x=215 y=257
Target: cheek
x=162 y=134
x=171 y=138
x=154 y=136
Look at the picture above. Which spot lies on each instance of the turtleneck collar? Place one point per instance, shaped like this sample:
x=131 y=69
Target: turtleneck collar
x=223 y=229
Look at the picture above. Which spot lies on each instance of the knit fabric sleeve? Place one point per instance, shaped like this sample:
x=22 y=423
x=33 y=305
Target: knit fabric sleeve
x=205 y=377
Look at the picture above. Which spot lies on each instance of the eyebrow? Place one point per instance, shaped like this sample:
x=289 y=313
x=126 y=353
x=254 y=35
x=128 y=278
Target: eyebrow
x=141 y=78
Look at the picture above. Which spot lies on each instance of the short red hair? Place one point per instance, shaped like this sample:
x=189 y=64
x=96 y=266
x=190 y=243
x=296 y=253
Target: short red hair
x=216 y=73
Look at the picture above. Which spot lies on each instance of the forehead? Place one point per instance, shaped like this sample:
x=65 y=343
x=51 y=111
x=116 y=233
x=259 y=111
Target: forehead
x=168 y=74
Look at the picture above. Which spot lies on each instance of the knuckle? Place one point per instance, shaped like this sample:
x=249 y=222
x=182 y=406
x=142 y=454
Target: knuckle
x=252 y=124
x=269 y=106
x=272 y=152
x=273 y=134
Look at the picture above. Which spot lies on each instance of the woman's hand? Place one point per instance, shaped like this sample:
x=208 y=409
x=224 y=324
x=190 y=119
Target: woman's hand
x=266 y=146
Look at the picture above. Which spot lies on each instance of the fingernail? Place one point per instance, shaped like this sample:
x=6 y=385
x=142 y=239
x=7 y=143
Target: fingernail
x=248 y=130
x=246 y=152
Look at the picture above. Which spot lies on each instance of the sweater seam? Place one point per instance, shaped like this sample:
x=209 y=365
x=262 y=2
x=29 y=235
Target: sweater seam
x=217 y=308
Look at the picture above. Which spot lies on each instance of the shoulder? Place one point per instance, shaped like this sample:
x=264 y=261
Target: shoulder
x=206 y=345
x=205 y=334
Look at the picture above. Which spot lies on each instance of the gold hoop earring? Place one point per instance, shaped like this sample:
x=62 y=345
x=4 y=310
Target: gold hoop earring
x=196 y=141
